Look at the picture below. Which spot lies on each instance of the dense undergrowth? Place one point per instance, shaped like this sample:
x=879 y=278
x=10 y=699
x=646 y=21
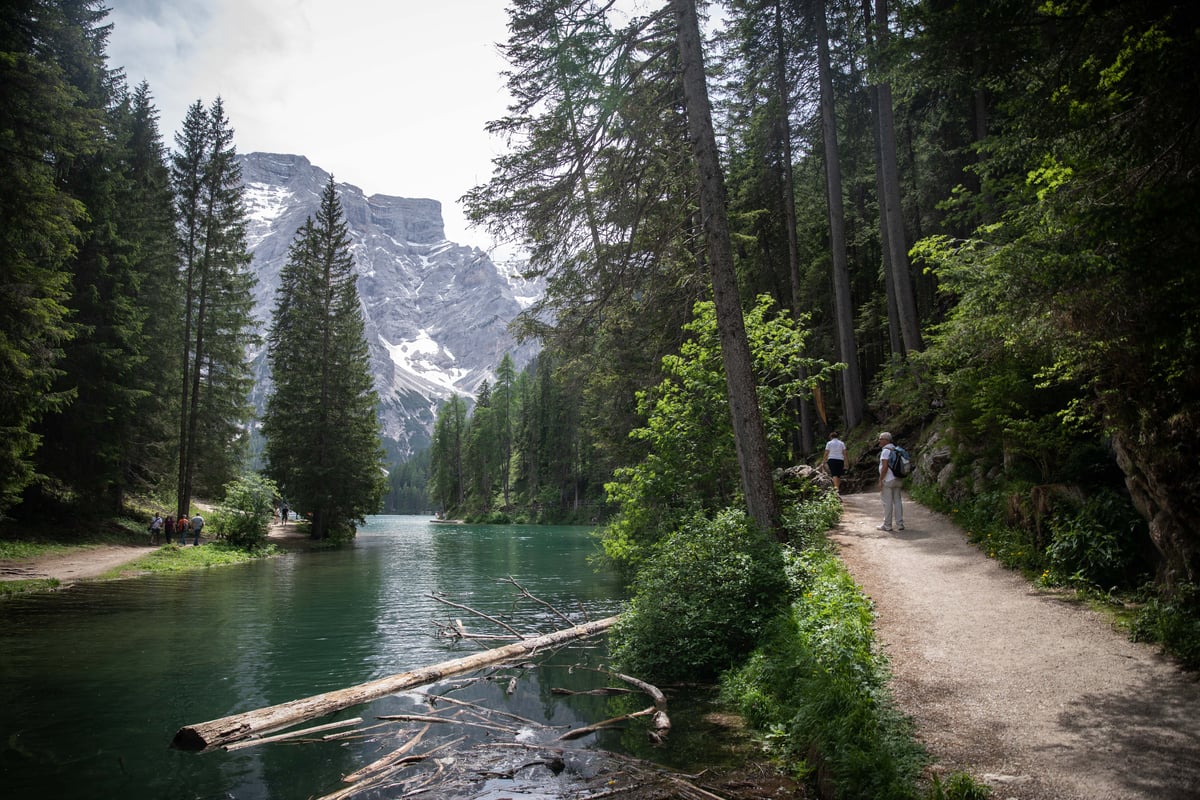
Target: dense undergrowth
x=790 y=635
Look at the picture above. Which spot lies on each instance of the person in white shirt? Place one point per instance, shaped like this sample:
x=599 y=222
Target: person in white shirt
x=889 y=487
x=835 y=457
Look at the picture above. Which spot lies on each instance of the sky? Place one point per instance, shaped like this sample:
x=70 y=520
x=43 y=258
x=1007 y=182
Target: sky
x=391 y=96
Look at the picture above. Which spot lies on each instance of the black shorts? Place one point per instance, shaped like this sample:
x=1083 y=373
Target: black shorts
x=837 y=467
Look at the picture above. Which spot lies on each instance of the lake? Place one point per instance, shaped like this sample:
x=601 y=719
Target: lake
x=95 y=680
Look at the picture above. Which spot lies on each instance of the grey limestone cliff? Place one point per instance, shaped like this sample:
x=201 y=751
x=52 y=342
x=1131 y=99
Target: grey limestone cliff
x=436 y=312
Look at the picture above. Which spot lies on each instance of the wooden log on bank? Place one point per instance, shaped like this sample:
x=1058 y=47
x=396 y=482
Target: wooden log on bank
x=218 y=732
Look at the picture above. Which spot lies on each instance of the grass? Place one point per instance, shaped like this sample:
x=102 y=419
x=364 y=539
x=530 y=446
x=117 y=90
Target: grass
x=14 y=588
x=174 y=558
x=18 y=549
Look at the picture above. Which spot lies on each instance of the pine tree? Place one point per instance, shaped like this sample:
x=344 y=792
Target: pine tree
x=323 y=445
x=44 y=122
x=101 y=363
x=149 y=221
x=216 y=320
x=446 y=484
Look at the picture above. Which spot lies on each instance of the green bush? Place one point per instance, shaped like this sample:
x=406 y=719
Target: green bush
x=958 y=786
x=1174 y=622
x=701 y=600
x=817 y=685
x=1097 y=545
x=808 y=518
x=243 y=518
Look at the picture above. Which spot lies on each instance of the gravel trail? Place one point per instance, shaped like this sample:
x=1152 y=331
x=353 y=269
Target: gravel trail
x=1036 y=695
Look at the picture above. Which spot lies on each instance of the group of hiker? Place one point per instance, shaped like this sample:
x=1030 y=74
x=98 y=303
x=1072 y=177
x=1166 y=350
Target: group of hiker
x=169 y=526
x=894 y=465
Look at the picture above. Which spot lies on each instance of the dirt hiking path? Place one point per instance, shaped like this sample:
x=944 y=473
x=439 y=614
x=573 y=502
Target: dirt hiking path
x=1037 y=696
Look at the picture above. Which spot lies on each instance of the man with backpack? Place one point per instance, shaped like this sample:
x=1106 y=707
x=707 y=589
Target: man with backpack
x=893 y=467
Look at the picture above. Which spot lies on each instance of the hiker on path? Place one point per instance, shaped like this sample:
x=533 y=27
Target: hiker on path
x=835 y=457
x=183 y=526
x=890 y=486
x=197 y=526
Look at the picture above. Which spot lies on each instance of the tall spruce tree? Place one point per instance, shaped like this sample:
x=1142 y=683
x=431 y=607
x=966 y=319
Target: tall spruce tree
x=148 y=215
x=216 y=321
x=123 y=263
x=323 y=445
x=46 y=120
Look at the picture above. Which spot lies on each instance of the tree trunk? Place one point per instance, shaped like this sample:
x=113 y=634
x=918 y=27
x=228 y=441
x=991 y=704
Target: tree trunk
x=788 y=195
x=889 y=202
x=206 y=735
x=750 y=438
x=843 y=306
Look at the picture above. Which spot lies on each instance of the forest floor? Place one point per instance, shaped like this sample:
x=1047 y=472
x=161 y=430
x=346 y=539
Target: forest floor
x=1026 y=689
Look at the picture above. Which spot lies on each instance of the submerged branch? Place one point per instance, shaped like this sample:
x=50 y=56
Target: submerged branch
x=442 y=599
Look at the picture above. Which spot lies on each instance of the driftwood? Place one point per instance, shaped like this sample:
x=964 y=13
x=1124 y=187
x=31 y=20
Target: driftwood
x=526 y=594
x=383 y=763
x=382 y=774
x=346 y=723
x=206 y=735
x=458 y=631
x=442 y=599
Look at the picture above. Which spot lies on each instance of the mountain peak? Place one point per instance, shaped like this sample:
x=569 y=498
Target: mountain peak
x=436 y=312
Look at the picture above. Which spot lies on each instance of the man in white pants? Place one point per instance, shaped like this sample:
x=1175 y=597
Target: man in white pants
x=889 y=487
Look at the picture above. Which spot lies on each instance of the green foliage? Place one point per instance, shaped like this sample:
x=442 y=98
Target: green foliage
x=1097 y=545
x=172 y=558
x=13 y=588
x=244 y=515
x=807 y=518
x=701 y=600
x=21 y=548
x=817 y=684
x=1172 y=620
x=408 y=483
x=691 y=463
x=49 y=59
x=525 y=452
x=958 y=786
x=1074 y=305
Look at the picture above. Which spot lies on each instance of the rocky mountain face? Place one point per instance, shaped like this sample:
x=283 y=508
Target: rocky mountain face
x=436 y=312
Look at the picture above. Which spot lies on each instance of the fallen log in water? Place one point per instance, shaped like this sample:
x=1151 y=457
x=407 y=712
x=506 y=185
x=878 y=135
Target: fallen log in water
x=206 y=735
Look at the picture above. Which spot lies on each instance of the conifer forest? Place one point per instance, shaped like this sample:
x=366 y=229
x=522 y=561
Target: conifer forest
x=974 y=224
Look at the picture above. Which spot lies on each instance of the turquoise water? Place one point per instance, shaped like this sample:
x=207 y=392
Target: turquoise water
x=95 y=680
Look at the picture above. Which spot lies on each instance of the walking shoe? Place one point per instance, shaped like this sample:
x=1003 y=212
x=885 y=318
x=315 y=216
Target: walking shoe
x=900 y=527
x=882 y=528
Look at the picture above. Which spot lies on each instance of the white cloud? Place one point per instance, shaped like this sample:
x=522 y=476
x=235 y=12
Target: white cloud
x=390 y=95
